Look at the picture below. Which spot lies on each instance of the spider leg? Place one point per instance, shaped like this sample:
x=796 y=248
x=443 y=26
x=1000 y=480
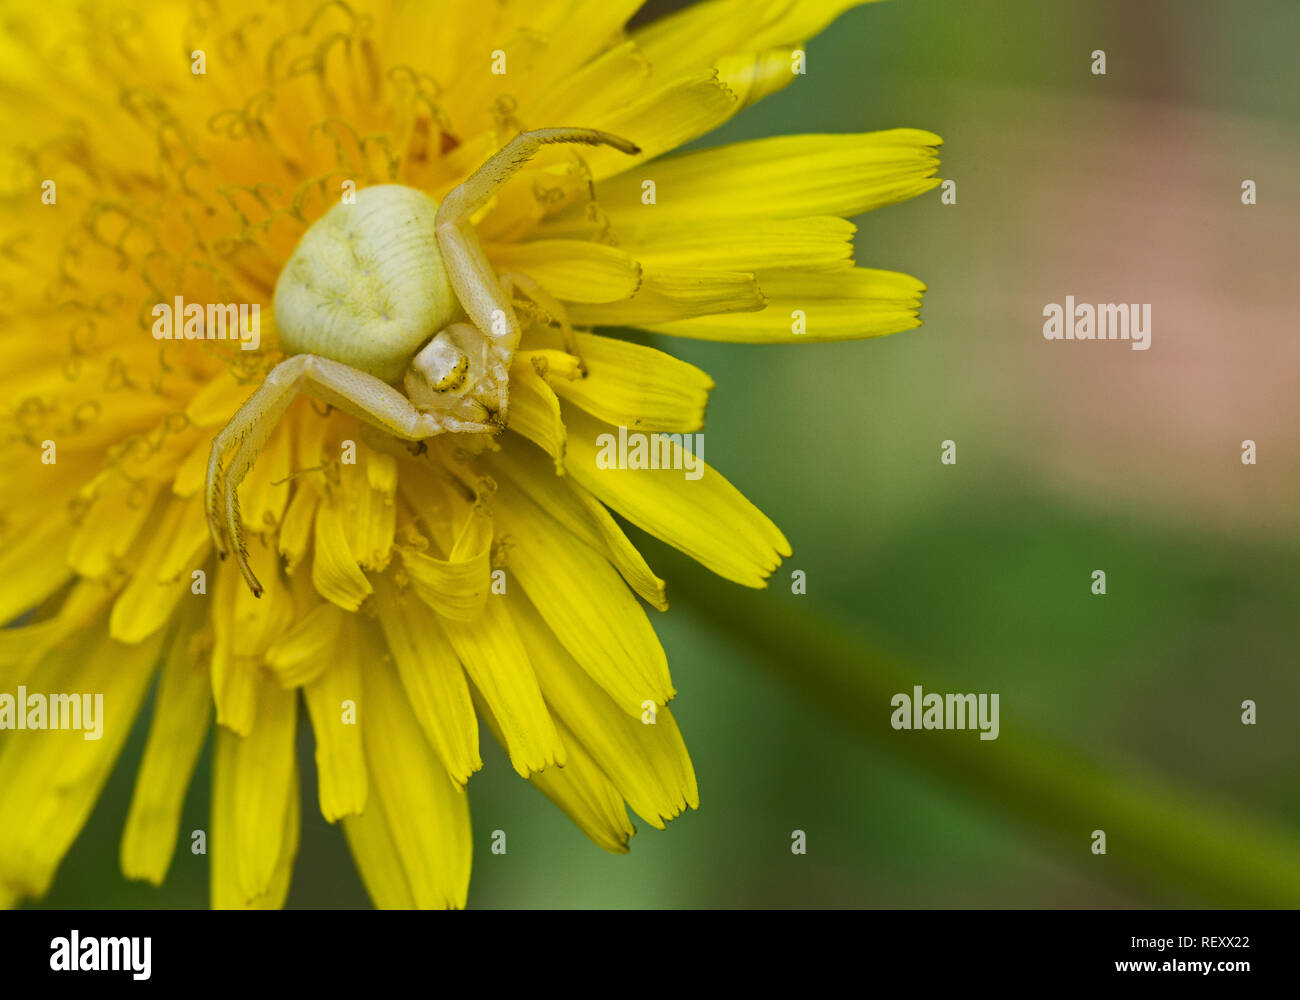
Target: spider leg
x=512 y=280
x=470 y=272
x=345 y=388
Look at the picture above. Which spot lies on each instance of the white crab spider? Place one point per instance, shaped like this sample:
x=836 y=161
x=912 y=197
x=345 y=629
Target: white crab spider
x=391 y=289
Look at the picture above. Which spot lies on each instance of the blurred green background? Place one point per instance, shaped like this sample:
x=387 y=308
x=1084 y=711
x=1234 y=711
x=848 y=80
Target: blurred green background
x=975 y=577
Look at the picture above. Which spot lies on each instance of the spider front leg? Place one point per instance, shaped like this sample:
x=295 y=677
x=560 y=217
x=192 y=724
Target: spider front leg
x=364 y=396
x=472 y=278
x=550 y=307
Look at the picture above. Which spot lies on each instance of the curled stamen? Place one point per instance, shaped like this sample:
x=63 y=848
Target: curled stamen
x=118 y=377
x=384 y=142
x=85 y=414
x=81 y=338
x=258 y=192
x=101 y=212
x=108 y=303
x=503 y=113
x=296 y=205
x=31 y=413
x=233 y=45
x=78 y=507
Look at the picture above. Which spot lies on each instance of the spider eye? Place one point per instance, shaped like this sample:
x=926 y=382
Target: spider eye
x=442 y=365
x=454 y=378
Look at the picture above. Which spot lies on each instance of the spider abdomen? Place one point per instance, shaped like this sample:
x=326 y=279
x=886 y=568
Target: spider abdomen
x=366 y=286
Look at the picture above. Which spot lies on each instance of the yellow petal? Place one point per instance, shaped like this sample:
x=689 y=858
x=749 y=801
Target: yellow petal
x=637 y=387
x=52 y=778
x=337 y=717
x=180 y=536
x=265 y=490
x=585 y=603
x=424 y=816
x=616 y=78
x=189 y=547
x=662 y=120
x=381 y=472
x=707 y=518
x=582 y=792
x=334 y=569
x=780 y=177
x=217 y=401
x=264 y=775
x=583 y=516
x=693 y=37
x=296 y=531
x=432 y=677
x=111 y=524
x=818 y=306
x=749 y=245
x=227 y=888
x=542 y=42
x=299 y=655
x=535 y=411
x=572 y=270
x=455 y=587
x=377 y=860
x=192 y=469
x=643 y=755
x=33 y=566
x=23 y=646
x=366 y=504
x=551 y=363
x=440 y=508
x=673 y=293
x=182 y=714
x=244 y=627
x=313 y=430
x=495 y=660
x=751 y=76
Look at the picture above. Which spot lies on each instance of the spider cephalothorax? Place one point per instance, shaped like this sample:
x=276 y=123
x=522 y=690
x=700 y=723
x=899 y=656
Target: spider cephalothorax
x=390 y=289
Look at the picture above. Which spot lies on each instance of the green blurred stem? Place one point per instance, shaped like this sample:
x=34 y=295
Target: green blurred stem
x=1211 y=855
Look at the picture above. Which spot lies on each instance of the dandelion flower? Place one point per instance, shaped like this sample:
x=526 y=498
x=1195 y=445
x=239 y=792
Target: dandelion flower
x=162 y=153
